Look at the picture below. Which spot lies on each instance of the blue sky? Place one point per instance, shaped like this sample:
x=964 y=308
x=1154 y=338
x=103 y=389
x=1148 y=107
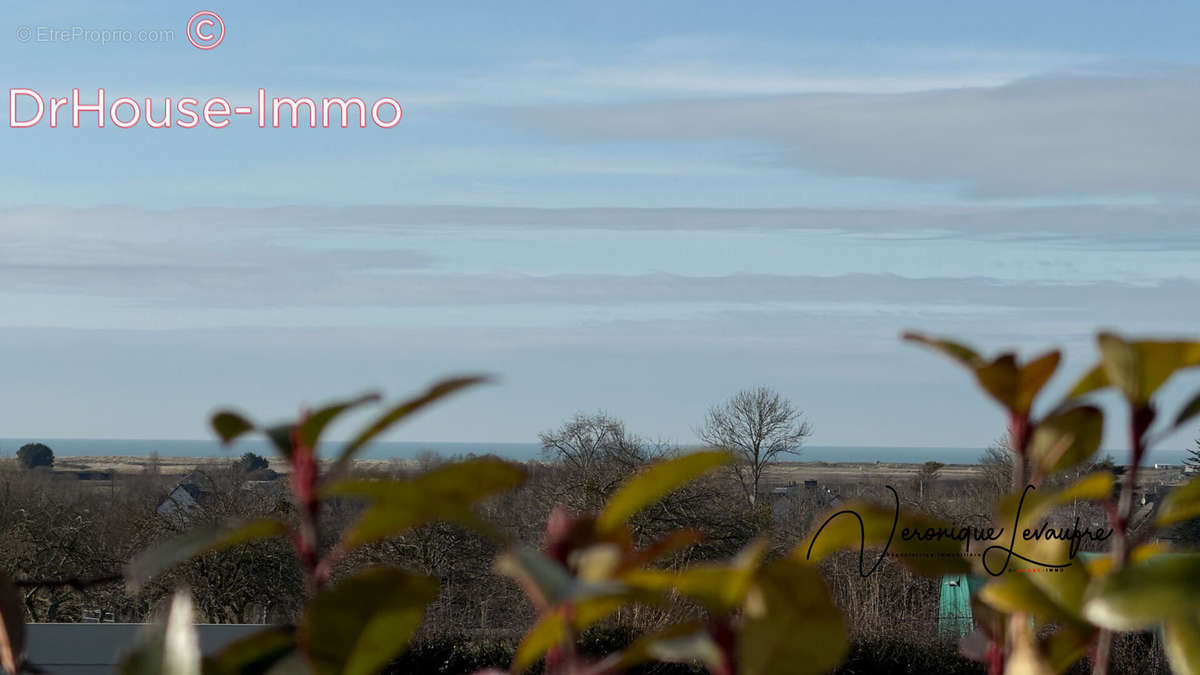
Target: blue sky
x=634 y=207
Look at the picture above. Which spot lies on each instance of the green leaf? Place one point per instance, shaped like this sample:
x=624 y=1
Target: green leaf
x=1014 y=592
x=654 y=483
x=791 y=625
x=549 y=630
x=1066 y=439
x=12 y=626
x=228 y=425
x=681 y=643
x=1067 y=645
x=1011 y=385
x=1096 y=486
x=1181 y=641
x=358 y=626
x=171 y=649
x=315 y=422
x=1188 y=411
x=547 y=583
x=1001 y=379
x=1139 y=368
x=445 y=493
x=1094 y=380
x=1066 y=586
x=552 y=627
x=1183 y=503
x=1141 y=595
x=1034 y=376
x=399 y=412
x=255 y=654
x=863 y=525
x=281 y=436
x=720 y=587
x=1054 y=595
x=961 y=353
x=203 y=540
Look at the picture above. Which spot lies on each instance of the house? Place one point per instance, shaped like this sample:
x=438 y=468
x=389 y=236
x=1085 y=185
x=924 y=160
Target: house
x=185 y=497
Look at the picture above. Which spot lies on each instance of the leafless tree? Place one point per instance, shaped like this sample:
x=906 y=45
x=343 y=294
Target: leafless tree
x=597 y=454
x=926 y=475
x=757 y=425
x=997 y=464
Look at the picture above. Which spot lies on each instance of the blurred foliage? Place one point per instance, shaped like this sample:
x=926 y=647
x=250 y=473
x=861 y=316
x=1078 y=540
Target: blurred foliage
x=762 y=611
x=1048 y=621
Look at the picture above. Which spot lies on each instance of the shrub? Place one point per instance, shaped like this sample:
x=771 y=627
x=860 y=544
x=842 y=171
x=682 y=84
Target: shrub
x=33 y=455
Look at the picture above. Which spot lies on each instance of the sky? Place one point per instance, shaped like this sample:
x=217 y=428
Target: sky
x=632 y=207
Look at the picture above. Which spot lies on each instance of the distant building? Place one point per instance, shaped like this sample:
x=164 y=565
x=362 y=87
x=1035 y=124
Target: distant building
x=185 y=497
x=786 y=498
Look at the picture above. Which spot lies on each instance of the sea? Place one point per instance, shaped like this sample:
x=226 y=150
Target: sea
x=84 y=447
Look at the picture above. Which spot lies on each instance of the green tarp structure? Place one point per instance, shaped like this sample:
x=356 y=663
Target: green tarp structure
x=954 y=605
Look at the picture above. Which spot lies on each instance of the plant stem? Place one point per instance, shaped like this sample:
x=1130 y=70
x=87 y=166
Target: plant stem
x=1019 y=432
x=1140 y=419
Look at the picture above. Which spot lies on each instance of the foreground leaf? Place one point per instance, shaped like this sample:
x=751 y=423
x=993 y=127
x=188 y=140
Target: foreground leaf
x=446 y=493
x=1066 y=439
x=654 y=483
x=1007 y=382
x=358 y=626
x=229 y=425
x=681 y=643
x=1181 y=641
x=1015 y=593
x=1183 y=503
x=1187 y=412
x=12 y=626
x=791 y=625
x=549 y=630
x=315 y=422
x=1067 y=645
x=1035 y=504
x=203 y=540
x=1138 y=368
x=930 y=548
x=720 y=587
x=963 y=354
x=1067 y=586
x=1027 y=658
x=547 y=583
x=256 y=654
x=171 y=649
x=1162 y=588
x=399 y=412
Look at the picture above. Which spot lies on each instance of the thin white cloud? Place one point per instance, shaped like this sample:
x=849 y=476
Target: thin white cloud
x=1121 y=134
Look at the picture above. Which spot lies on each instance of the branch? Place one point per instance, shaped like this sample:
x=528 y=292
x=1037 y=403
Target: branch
x=76 y=583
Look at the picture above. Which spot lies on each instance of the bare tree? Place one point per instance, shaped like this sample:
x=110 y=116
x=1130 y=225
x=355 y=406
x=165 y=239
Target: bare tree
x=927 y=473
x=996 y=464
x=757 y=426
x=597 y=453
